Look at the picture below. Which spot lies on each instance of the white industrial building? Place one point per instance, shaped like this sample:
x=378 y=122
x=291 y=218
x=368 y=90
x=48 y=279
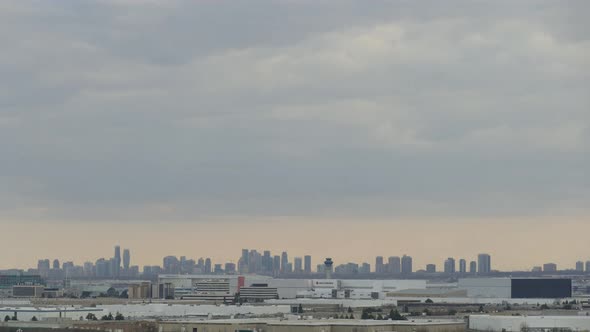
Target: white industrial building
x=517 y=288
x=524 y=323
x=223 y=288
x=486 y=287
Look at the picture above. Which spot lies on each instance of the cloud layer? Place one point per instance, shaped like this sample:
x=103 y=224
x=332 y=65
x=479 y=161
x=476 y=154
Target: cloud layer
x=181 y=110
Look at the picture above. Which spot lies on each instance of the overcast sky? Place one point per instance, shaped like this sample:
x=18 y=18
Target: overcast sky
x=191 y=111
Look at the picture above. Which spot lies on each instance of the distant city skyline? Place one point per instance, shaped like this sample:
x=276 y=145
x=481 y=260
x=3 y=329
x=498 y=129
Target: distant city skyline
x=149 y=249
x=264 y=262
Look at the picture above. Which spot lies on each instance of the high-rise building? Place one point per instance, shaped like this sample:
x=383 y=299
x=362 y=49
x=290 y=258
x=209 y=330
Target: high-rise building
x=126 y=259
x=284 y=261
x=307 y=264
x=462 y=266
x=88 y=269
x=56 y=265
x=117 y=262
x=365 y=268
x=550 y=267
x=431 y=268
x=244 y=262
x=207 y=269
x=394 y=265
x=472 y=267
x=254 y=261
x=230 y=268
x=102 y=267
x=484 y=263
x=245 y=256
x=579 y=266
x=43 y=267
x=267 y=262
x=406 y=264
x=298 y=265
x=449 y=265
x=379 y=267
x=171 y=265
x=587 y=266
x=276 y=265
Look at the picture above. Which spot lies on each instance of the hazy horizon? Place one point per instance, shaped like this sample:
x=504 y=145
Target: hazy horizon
x=346 y=128
x=512 y=245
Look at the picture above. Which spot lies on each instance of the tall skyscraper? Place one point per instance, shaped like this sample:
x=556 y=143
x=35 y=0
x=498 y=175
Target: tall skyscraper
x=579 y=266
x=379 y=267
x=171 y=265
x=284 y=261
x=244 y=262
x=406 y=265
x=587 y=266
x=472 y=267
x=307 y=264
x=88 y=269
x=56 y=265
x=201 y=264
x=276 y=265
x=298 y=265
x=267 y=261
x=207 y=265
x=43 y=267
x=245 y=256
x=394 y=265
x=450 y=265
x=462 y=266
x=484 y=263
x=117 y=261
x=126 y=259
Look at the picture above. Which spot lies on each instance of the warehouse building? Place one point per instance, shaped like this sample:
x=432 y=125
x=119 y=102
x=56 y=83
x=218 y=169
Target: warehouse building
x=529 y=323
x=257 y=288
x=252 y=325
x=512 y=288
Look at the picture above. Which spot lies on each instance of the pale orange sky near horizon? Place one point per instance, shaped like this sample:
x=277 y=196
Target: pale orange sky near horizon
x=515 y=244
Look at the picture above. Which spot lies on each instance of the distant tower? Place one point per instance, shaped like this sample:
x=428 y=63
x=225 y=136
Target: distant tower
x=473 y=267
x=307 y=264
x=328 y=265
x=284 y=261
x=298 y=265
x=56 y=264
x=126 y=259
x=208 y=265
x=449 y=265
x=407 y=265
x=394 y=265
x=462 y=266
x=117 y=261
x=379 y=267
x=484 y=263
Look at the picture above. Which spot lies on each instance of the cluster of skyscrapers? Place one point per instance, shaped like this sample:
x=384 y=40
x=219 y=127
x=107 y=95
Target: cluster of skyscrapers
x=264 y=263
x=114 y=267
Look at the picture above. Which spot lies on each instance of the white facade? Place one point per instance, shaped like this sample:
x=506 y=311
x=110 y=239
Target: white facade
x=487 y=287
x=516 y=323
x=185 y=285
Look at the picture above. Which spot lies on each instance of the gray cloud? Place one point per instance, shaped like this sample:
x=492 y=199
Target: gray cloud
x=179 y=109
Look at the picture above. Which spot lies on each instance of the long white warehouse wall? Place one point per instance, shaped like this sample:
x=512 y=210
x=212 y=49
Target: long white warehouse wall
x=516 y=323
